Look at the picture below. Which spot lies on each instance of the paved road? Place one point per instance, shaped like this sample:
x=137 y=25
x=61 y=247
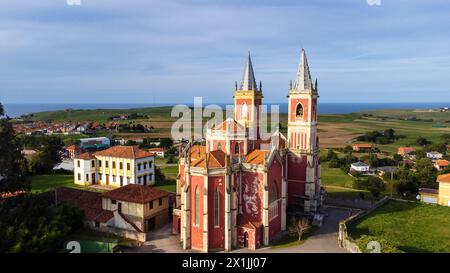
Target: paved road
x=161 y=240
x=323 y=241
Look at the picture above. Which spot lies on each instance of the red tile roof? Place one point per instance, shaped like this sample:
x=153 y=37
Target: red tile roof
x=89 y=202
x=216 y=159
x=156 y=150
x=197 y=151
x=132 y=152
x=362 y=145
x=85 y=156
x=72 y=148
x=444 y=178
x=257 y=157
x=403 y=150
x=135 y=193
x=442 y=163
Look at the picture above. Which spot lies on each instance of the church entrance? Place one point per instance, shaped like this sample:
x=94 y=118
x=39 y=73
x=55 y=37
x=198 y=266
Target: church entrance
x=245 y=239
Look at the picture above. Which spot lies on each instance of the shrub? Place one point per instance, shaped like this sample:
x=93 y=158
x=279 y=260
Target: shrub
x=385 y=246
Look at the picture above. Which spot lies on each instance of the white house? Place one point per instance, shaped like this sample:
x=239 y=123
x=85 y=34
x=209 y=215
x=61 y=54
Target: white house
x=117 y=166
x=360 y=167
x=85 y=169
x=434 y=155
x=158 y=151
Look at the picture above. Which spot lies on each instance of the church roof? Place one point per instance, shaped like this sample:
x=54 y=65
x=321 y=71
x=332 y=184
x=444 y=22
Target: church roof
x=214 y=159
x=257 y=157
x=197 y=151
x=303 y=79
x=248 y=79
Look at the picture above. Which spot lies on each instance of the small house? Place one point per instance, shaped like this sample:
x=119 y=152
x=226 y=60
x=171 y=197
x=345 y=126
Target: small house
x=362 y=148
x=434 y=155
x=360 y=167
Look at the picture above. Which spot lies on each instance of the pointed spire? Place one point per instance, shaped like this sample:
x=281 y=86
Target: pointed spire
x=248 y=79
x=303 y=80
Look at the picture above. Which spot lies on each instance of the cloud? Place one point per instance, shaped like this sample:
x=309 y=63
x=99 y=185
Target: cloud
x=116 y=51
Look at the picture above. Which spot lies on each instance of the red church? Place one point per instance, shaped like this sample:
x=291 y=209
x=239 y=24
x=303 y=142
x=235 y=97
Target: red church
x=236 y=190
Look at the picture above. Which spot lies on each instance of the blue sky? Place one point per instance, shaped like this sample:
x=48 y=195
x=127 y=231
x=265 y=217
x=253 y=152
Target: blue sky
x=143 y=51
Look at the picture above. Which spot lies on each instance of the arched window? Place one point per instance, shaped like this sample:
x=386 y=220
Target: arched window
x=299 y=111
x=197 y=206
x=244 y=110
x=273 y=193
x=236 y=148
x=216 y=207
x=219 y=146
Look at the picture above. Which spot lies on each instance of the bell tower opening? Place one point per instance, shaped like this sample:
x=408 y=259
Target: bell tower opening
x=299 y=111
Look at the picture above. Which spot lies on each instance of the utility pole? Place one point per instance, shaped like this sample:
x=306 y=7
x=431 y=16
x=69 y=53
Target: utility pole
x=392 y=181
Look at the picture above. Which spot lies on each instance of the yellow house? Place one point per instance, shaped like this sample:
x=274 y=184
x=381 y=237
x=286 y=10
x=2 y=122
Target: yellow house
x=444 y=189
x=117 y=166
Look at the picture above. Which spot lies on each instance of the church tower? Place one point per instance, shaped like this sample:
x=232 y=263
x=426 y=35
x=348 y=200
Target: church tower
x=247 y=100
x=303 y=158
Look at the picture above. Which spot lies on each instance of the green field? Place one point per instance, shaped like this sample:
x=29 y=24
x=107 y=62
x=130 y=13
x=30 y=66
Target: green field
x=409 y=226
x=339 y=185
x=42 y=183
x=98 y=114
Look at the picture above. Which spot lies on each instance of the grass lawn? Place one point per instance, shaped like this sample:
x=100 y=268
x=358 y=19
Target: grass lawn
x=43 y=183
x=170 y=184
x=411 y=227
x=335 y=177
x=288 y=241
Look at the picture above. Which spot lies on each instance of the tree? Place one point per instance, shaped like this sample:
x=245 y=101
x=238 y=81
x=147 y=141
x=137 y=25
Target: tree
x=12 y=162
x=299 y=226
x=389 y=133
x=398 y=158
x=373 y=184
x=426 y=173
x=421 y=141
x=166 y=143
x=48 y=155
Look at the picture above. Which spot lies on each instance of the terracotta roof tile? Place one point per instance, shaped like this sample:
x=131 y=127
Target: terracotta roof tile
x=442 y=163
x=135 y=193
x=444 y=178
x=89 y=202
x=124 y=152
x=362 y=145
x=85 y=156
x=216 y=159
x=197 y=151
x=72 y=147
x=257 y=157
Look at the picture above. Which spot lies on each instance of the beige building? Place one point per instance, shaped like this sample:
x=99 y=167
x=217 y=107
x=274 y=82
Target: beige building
x=439 y=196
x=130 y=211
x=137 y=207
x=117 y=166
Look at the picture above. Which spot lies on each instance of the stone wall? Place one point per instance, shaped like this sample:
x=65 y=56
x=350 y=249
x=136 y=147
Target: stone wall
x=343 y=239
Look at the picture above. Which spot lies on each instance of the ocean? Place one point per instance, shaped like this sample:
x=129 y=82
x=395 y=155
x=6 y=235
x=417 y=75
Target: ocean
x=16 y=110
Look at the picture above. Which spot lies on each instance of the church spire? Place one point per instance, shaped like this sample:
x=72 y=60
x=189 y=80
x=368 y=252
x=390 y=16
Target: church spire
x=248 y=79
x=303 y=80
